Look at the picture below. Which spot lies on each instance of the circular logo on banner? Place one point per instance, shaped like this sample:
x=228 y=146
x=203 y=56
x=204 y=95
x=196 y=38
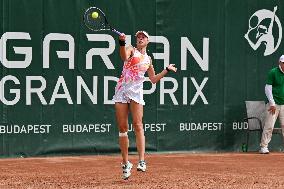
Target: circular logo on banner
x=264 y=28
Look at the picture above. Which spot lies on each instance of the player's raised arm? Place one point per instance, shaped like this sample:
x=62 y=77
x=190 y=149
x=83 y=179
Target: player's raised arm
x=124 y=52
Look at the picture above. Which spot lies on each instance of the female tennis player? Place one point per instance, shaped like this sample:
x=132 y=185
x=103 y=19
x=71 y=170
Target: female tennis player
x=129 y=96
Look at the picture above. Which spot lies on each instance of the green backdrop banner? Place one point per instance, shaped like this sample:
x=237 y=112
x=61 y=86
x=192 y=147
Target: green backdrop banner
x=58 y=77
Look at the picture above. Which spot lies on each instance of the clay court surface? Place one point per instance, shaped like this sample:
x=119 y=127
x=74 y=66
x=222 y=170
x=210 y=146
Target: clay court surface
x=226 y=170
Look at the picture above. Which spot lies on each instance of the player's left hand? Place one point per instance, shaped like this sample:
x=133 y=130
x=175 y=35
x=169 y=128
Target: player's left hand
x=172 y=67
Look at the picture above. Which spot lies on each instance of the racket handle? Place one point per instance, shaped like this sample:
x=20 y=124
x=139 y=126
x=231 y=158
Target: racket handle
x=115 y=31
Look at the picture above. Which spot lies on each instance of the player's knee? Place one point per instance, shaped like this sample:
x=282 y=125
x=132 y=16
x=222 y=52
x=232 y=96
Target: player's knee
x=123 y=128
x=138 y=127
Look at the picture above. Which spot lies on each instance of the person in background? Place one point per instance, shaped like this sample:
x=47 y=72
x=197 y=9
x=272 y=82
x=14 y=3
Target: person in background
x=274 y=91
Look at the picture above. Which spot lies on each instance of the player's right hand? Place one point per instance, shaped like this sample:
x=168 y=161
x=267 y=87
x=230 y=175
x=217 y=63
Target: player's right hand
x=122 y=37
x=272 y=109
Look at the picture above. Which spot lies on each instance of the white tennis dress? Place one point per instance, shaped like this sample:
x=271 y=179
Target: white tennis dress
x=130 y=85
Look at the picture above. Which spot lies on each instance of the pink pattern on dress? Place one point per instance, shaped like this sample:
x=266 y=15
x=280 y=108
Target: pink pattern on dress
x=130 y=71
x=130 y=84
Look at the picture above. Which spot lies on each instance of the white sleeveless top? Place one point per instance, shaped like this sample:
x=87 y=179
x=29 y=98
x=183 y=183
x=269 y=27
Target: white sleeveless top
x=130 y=85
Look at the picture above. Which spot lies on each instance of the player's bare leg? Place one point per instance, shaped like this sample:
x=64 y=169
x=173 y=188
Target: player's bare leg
x=121 y=112
x=122 y=121
x=137 y=115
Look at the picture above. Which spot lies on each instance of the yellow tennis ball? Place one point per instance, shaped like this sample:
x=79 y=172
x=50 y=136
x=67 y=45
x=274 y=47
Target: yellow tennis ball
x=95 y=15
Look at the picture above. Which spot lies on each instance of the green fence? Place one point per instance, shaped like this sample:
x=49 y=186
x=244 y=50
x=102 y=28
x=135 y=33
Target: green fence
x=58 y=77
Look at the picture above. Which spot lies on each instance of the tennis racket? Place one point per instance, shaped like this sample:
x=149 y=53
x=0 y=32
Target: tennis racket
x=99 y=21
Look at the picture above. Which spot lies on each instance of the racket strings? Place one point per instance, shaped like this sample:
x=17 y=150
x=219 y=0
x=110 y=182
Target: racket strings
x=99 y=23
